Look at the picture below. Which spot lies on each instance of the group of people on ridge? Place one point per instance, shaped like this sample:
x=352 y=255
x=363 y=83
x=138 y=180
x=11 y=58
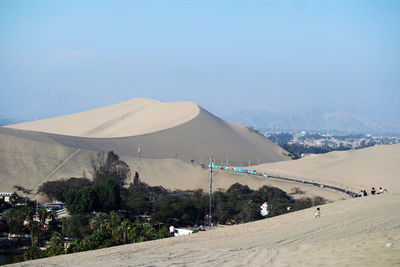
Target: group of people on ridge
x=374 y=192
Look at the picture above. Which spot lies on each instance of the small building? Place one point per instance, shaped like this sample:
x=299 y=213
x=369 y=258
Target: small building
x=5 y=196
x=56 y=205
x=181 y=231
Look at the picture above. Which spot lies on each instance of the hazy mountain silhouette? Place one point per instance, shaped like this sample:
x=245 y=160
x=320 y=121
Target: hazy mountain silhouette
x=317 y=119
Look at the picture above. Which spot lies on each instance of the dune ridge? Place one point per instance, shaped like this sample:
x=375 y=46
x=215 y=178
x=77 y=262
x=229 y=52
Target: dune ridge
x=354 y=169
x=194 y=139
x=134 y=117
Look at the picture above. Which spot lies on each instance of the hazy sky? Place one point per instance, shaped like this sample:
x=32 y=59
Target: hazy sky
x=60 y=57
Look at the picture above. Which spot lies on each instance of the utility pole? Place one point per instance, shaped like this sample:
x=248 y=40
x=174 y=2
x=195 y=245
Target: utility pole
x=211 y=177
x=139 y=151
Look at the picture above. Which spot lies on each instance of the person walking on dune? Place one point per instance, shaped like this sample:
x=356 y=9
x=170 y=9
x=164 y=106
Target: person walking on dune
x=317 y=213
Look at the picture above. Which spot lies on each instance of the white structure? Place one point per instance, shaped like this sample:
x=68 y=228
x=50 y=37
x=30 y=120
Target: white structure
x=264 y=209
x=181 y=231
x=5 y=196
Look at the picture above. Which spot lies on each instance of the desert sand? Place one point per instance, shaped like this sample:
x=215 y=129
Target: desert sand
x=135 y=117
x=30 y=163
x=35 y=152
x=357 y=170
x=352 y=232
x=195 y=136
x=349 y=233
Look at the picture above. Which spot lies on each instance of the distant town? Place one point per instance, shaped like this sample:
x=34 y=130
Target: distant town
x=302 y=143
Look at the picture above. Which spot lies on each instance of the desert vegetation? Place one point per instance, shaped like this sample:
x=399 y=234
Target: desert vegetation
x=107 y=212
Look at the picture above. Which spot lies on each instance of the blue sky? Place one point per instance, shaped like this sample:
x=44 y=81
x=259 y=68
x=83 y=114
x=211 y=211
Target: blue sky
x=60 y=57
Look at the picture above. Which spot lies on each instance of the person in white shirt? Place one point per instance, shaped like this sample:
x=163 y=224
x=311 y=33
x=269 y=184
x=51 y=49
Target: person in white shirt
x=171 y=231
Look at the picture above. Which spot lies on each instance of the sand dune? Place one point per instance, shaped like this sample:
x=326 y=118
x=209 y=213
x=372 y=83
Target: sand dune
x=354 y=169
x=30 y=163
x=48 y=149
x=349 y=233
x=196 y=136
x=135 y=117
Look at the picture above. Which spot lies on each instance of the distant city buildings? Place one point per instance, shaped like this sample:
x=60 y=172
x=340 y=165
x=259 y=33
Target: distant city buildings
x=302 y=143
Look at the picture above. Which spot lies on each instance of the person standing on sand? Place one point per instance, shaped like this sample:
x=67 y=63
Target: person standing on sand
x=317 y=213
x=171 y=231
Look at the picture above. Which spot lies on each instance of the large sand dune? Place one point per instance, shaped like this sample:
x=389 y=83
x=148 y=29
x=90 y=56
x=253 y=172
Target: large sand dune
x=135 y=117
x=35 y=152
x=194 y=134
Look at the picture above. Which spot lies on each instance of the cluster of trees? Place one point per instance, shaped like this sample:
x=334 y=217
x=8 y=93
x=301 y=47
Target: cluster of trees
x=95 y=223
x=238 y=204
x=298 y=149
x=106 y=193
x=100 y=230
x=82 y=232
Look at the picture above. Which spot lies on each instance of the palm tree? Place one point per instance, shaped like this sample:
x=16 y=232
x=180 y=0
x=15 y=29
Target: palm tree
x=27 y=214
x=14 y=199
x=52 y=215
x=125 y=227
x=100 y=221
x=42 y=212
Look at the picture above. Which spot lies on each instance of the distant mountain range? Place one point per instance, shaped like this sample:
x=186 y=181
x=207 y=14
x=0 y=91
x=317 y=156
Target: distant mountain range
x=315 y=120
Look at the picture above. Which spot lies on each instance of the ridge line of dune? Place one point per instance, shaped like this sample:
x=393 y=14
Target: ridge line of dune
x=57 y=168
x=130 y=118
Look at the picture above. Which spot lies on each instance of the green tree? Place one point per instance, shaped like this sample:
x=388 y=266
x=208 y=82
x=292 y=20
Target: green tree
x=98 y=239
x=56 y=246
x=108 y=194
x=136 y=179
x=111 y=168
x=125 y=227
x=99 y=221
x=75 y=226
x=59 y=189
x=163 y=232
x=135 y=231
x=14 y=198
x=54 y=223
x=82 y=201
x=33 y=252
x=34 y=232
x=15 y=221
x=42 y=213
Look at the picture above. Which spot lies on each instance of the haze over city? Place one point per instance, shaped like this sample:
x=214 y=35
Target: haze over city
x=58 y=58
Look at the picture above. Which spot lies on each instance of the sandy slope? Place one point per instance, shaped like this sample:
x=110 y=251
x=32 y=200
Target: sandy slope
x=354 y=169
x=349 y=233
x=174 y=130
x=29 y=163
x=352 y=232
x=135 y=117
